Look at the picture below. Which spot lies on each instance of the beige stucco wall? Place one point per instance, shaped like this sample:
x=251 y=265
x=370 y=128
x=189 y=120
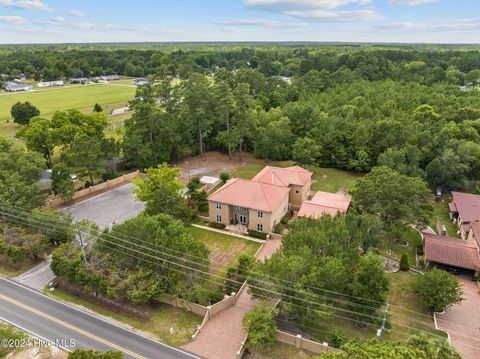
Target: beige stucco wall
x=296 y=199
x=253 y=220
x=224 y=212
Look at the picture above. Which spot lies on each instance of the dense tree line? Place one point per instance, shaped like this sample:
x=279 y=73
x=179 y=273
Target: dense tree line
x=368 y=62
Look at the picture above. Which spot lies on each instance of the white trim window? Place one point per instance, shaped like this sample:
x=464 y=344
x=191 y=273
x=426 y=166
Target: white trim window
x=218 y=205
x=260 y=214
x=219 y=218
x=259 y=227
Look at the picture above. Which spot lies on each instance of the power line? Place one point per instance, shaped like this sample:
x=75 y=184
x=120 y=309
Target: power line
x=263 y=289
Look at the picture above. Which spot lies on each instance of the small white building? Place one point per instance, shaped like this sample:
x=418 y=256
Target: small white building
x=16 y=87
x=50 y=83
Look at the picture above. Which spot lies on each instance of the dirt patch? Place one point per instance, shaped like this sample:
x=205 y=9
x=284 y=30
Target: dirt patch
x=211 y=164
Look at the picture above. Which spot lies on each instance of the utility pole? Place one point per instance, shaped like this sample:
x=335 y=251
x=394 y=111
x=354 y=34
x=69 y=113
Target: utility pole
x=82 y=244
x=384 y=321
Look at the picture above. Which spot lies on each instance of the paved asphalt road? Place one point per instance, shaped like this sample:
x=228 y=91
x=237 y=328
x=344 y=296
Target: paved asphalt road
x=116 y=205
x=52 y=320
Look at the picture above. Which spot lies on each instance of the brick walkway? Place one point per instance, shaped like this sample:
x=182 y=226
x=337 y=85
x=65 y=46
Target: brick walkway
x=462 y=321
x=223 y=334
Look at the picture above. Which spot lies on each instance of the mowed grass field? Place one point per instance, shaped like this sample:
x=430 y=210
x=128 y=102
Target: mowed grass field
x=82 y=97
x=323 y=179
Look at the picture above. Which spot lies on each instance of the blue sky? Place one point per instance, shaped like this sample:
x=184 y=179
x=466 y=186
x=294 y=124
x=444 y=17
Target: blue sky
x=52 y=21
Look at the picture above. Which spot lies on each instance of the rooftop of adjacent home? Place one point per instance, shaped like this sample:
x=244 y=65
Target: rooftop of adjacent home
x=325 y=203
x=452 y=251
x=467 y=205
x=294 y=175
x=251 y=194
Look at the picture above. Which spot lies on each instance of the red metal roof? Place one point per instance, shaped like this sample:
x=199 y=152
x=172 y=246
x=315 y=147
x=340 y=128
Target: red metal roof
x=467 y=205
x=451 y=251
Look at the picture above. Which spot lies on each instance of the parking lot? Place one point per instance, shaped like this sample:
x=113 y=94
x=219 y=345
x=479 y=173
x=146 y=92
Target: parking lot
x=116 y=205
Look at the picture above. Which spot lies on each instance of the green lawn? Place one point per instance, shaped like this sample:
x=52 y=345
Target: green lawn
x=407 y=309
x=224 y=249
x=79 y=97
x=324 y=179
x=163 y=317
x=332 y=179
x=408 y=234
x=440 y=212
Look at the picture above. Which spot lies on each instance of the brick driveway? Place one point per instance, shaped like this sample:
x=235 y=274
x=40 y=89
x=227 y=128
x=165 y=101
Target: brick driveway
x=223 y=334
x=462 y=321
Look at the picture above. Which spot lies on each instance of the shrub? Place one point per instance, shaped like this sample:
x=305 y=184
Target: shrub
x=404 y=265
x=256 y=234
x=438 y=289
x=260 y=326
x=193 y=184
x=338 y=338
x=421 y=261
x=216 y=296
x=278 y=228
x=224 y=176
x=216 y=225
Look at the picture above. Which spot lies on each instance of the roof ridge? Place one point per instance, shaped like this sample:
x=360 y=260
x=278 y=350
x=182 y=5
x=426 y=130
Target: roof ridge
x=266 y=197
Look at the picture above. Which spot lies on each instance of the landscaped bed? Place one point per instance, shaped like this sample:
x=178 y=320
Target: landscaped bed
x=402 y=236
x=163 y=318
x=280 y=351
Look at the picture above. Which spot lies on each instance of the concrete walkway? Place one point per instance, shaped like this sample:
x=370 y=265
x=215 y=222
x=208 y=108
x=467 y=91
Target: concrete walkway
x=222 y=336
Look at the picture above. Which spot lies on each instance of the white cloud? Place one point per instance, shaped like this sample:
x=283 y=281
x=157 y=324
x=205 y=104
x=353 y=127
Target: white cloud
x=447 y=25
x=257 y=22
x=26 y=5
x=77 y=13
x=16 y=20
x=411 y=2
x=57 y=20
x=316 y=10
x=301 y=5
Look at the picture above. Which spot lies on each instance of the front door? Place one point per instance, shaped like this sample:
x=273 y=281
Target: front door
x=243 y=219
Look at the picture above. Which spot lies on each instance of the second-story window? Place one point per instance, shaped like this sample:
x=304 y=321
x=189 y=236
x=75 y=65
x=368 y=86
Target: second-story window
x=219 y=205
x=260 y=214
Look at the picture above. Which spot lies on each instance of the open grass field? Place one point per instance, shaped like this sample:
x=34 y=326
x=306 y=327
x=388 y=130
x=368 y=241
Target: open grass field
x=158 y=325
x=82 y=97
x=324 y=179
x=224 y=249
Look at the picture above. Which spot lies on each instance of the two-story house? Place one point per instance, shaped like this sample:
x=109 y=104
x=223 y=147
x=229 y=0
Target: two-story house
x=259 y=204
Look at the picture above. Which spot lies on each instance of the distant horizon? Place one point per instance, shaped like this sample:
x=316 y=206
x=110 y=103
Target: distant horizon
x=191 y=21
x=246 y=42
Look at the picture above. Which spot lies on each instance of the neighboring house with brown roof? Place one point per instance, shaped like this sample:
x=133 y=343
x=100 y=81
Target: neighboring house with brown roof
x=325 y=203
x=451 y=251
x=298 y=179
x=260 y=203
x=465 y=210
